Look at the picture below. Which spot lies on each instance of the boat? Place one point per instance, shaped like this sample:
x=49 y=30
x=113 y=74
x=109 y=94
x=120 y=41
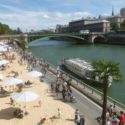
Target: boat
x=81 y=68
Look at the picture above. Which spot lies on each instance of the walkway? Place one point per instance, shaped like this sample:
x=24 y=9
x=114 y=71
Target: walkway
x=89 y=109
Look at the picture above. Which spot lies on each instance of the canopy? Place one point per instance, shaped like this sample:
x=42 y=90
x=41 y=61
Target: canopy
x=26 y=96
x=1 y=77
x=13 y=81
x=34 y=74
x=3 y=62
x=5 y=48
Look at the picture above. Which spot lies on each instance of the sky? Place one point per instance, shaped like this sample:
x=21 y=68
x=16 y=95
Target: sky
x=45 y=14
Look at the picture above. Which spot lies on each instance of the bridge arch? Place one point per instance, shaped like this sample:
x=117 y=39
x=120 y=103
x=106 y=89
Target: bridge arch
x=98 y=39
x=70 y=36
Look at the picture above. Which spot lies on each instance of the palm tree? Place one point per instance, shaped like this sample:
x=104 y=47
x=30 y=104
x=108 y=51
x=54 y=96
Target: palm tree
x=105 y=69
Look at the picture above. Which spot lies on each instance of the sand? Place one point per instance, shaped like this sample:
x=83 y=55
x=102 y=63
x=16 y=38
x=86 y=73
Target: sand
x=49 y=104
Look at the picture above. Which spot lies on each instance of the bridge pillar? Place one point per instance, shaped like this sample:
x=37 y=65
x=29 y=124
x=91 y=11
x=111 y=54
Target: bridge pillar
x=91 y=38
x=24 y=38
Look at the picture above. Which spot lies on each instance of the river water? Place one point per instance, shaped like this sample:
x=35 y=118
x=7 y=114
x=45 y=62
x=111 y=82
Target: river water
x=54 y=51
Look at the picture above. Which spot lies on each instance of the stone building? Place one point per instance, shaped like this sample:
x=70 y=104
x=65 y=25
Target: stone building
x=122 y=12
x=118 y=19
x=98 y=26
x=78 y=25
x=62 y=28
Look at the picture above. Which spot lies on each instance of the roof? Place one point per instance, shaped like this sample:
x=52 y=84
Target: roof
x=81 y=63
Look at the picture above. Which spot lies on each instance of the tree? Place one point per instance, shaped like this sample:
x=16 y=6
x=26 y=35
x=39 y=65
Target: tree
x=105 y=69
x=5 y=29
x=114 y=26
x=122 y=26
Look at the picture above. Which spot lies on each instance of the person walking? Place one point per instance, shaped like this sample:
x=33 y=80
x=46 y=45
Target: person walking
x=59 y=113
x=77 y=117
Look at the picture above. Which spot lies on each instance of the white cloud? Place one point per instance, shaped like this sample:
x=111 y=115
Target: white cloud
x=27 y=20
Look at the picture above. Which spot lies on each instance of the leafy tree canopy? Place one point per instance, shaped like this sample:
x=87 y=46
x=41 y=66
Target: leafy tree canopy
x=5 y=29
x=104 y=69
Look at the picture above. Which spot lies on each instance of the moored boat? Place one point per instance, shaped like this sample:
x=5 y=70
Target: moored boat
x=81 y=68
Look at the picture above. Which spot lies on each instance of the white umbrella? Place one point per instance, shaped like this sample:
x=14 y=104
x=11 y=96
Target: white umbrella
x=34 y=74
x=3 y=49
x=26 y=96
x=1 y=77
x=13 y=81
x=3 y=62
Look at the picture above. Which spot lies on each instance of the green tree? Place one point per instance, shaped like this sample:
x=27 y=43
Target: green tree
x=114 y=26
x=105 y=69
x=5 y=29
x=122 y=26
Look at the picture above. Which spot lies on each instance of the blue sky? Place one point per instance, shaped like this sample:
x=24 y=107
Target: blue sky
x=44 y=14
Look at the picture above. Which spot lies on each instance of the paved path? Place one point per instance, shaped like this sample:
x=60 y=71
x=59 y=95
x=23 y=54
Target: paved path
x=89 y=109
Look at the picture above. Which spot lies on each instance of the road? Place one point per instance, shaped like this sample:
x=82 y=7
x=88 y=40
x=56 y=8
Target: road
x=88 y=108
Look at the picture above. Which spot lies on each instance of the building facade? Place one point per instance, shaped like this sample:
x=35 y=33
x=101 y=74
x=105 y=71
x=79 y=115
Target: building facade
x=122 y=12
x=62 y=29
x=90 y=25
x=98 y=26
x=116 y=19
x=78 y=25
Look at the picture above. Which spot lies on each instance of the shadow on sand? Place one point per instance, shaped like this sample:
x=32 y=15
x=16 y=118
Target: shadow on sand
x=7 y=113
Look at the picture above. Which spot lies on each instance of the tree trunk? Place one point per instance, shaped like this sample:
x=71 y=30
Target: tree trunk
x=105 y=89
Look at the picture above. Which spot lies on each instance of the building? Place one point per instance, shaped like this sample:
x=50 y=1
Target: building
x=78 y=25
x=98 y=26
x=62 y=28
x=92 y=25
x=118 y=19
x=122 y=12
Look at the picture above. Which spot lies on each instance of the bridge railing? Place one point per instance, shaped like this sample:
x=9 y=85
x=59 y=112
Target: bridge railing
x=89 y=91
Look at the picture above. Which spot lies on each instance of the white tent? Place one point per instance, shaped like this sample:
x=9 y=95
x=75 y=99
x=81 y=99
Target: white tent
x=34 y=74
x=14 y=81
x=5 y=48
x=26 y=96
x=1 y=77
x=4 y=62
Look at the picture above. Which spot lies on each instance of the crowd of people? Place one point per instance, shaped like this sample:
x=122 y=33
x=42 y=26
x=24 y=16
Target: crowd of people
x=114 y=117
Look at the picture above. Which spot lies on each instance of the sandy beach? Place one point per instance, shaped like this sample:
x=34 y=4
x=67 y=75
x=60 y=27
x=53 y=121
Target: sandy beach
x=49 y=105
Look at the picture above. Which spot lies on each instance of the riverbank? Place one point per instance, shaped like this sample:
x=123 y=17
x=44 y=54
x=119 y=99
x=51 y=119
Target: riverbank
x=49 y=105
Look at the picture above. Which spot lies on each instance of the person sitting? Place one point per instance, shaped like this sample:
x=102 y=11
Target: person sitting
x=11 y=101
x=28 y=83
x=41 y=122
x=2 y=90
x=18 y=113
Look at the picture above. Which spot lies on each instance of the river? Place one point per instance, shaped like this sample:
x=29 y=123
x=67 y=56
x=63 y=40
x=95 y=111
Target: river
x=53 y=51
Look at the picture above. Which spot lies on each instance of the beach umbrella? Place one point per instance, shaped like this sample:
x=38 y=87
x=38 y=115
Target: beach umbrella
x=14 y=81
x=3 y=62
x=1 y=77
x=3 y=49
x=25 y=96
x=34 y=74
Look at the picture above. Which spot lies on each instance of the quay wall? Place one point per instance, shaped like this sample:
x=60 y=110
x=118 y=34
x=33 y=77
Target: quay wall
x=116 y=39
